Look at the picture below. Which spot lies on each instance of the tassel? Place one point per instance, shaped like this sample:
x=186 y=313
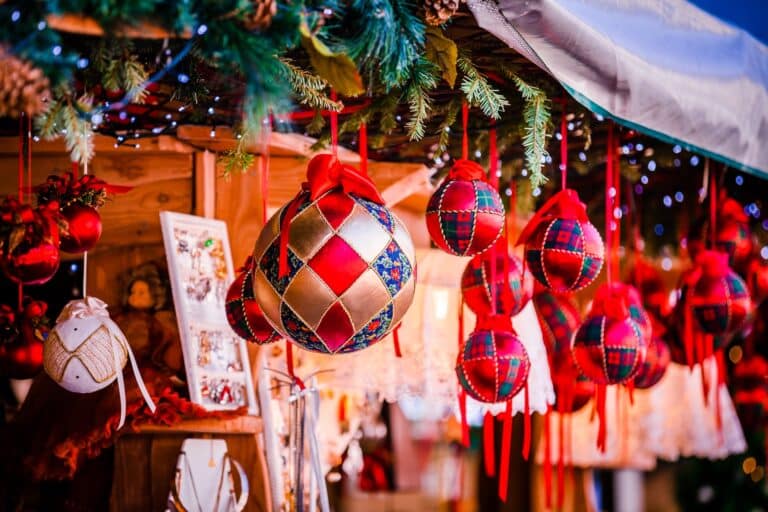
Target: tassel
x=601 y=431
x=489 y=444
x=464 y=424
x=563 y=406
x=506 y=450
x=527 y=425
x=631 y=391
x=548 y=460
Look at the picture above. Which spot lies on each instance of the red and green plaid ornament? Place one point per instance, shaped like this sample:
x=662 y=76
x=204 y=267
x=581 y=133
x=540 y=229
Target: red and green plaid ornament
x=243 y=312
x=512 y=287
x=608 y=347
x=493 y=365
x=653 y=367
x=334 y=269
x=563 y=250
x=559 y=318
x=465 y=215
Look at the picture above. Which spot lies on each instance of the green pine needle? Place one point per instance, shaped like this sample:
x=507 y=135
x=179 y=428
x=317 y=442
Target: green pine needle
x=424 y=79
x=536 y=116
x=309 y=88
x=478 y=91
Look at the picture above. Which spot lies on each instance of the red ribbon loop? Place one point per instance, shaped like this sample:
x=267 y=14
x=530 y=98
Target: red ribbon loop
x=563 y=205
x=494 y=323
x=713 y=263
x=325 y=173
x=611 y=300
x=466 y=170
x=731 y=210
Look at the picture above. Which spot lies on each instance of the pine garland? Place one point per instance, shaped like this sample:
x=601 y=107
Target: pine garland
x=70 y=118
x=424 y=79
x=478 y=91
x=537 y=117
x=309 y=88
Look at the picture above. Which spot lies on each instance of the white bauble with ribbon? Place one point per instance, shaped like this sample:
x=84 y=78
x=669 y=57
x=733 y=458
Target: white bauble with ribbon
x=86 y=351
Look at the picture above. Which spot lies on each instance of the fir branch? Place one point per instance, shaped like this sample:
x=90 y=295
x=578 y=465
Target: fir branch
x=308 y=87
x=424 y=79
x=78 y=131
x=134 y=79
x=478 y=91
x=536 y=116
x=237 y=159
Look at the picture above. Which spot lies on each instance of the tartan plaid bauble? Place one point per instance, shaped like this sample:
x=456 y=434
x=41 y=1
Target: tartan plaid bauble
x=512 y=287
x=732 y=234
x=465 y=215
x=559 y=318
x=493 y=365
x=631 y=298
x=653 y=367
x=243 y=312
x=720 y=298
x=608 y=349
x=563 y=250
x=334 y=269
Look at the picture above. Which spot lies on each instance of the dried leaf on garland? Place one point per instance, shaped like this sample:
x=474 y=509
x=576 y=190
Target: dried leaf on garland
x=443 y=52
x=336 y=68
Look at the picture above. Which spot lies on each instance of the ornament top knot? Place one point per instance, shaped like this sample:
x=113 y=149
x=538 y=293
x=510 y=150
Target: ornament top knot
x=563 y=250
x=465 y=215
x=334 y=269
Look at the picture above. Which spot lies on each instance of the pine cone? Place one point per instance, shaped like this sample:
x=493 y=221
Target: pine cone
x=23 y=87
x=437 y=12
x=261 y=14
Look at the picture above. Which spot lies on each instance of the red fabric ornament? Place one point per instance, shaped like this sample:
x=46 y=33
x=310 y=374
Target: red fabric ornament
x=21 y=346
x=29 y=242
x=493 y=365
x=563 y=251
x=559 y=318
x=634 y=304
x=757 y=278
x=653 y=367
x=512 y=291
x=732 y=234
x=465 y=215
x=608 y=347
x=83 y=228
x=243 y=312
x=719 y=299
x=334 y=270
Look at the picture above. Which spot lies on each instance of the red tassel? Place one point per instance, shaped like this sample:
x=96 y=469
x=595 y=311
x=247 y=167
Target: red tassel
x=548 y=460
x=527 y=425
x=506 y=450
x=488 y=444
x=464 y=424
x=601 y=431
x=562 y=408
x=289 y=365
x=396 y=341
x=631 y=391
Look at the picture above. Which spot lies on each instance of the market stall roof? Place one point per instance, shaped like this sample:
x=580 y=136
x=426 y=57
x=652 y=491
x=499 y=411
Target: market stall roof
x=664 y=67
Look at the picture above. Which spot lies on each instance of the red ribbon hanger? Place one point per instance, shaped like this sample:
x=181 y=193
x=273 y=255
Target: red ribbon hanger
x=565 y=205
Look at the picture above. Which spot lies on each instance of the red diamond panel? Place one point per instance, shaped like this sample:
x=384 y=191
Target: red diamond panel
x=335 y=328
x=338 y=264
x=336 y=207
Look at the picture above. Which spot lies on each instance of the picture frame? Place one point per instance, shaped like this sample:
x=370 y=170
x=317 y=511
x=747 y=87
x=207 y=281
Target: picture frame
x=200 y=269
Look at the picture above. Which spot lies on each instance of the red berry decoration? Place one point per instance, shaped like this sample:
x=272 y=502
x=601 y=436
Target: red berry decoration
x=493 y=365
x=512 y=287
x=334 y=270
x=563 y=251
x=608 y=347
x=243 y=312
x=465 y=216
x=29 y=242
x=83 y=228
x=653 y=367
x=720 y=298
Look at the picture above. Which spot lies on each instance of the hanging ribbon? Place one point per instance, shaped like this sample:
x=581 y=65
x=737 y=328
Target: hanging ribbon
x=563 y=149
x=564 y=204
x=547 y=466
x=396 y=341
x=465 y=133
x=21 y=194
x=601 y=430
x=506 y=450
x=527 y=423
x=289 y=365
x=324 y=173
x=494 y=323
x=334 y=127
x=466 y=170
x=266 y=135
x=462 y=394
x=609 y=161
x=489 y=425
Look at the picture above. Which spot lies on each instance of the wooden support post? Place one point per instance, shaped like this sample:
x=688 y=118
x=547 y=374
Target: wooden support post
x=205 y=184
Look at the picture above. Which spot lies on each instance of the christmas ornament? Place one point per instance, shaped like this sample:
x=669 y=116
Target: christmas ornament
x=28 y=242
x=23 y=88
x=511 y=287
x=243 y=312
x=653 y=367
x=634 y=303
x=719 y=299
x=437 y=12
x=493 y=365
x=78 y=199
x=559 y=319
x=563 y=251
x=86 y=351
x=608 y=347
x=259 y=16
x=21 y=356
x=465 y=215
x=733 y=235
x=757 y=278
x=334 y=269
